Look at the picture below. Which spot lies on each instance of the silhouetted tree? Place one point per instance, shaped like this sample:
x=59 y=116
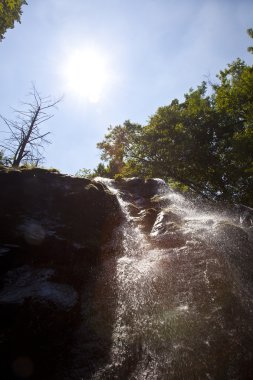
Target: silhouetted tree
x=25 y=141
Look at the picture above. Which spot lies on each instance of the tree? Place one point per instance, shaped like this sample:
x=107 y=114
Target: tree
x=25 y=141
x=85 y=173
x=177 y=143
x=234 y=103
x=117 y=146
x=10 y=11
x=1 y=157
x=100 y=171
x=204 y=142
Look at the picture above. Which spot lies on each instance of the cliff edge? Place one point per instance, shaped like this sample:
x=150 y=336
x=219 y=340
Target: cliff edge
x=53 y=237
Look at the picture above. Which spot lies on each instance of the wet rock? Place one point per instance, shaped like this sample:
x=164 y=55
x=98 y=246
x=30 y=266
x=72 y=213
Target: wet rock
x=231 y=233
x=168 y=239
x=166 y=221
x=133 y=209
x=166 y=230
x=236 y=245
x=245 y=215
x=159 y=201
x=147 y=218
x=141 y=188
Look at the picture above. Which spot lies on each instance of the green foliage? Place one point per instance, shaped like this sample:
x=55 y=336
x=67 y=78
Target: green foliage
x=204 y=143
x=100 y=171
x=1 y=157
x=10 y=11
x=178 y=141
x=175 y=185
x=118 y=146
x=234 y=104
x=84 y=173
x=118 y=177
x=32 y=166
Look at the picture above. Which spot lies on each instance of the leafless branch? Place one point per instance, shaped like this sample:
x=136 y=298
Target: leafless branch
x=25 y=141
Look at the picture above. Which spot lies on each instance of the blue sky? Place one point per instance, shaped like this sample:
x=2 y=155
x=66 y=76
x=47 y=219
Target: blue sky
x=134 y=56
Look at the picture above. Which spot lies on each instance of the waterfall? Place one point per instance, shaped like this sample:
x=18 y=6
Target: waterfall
x=184 y=289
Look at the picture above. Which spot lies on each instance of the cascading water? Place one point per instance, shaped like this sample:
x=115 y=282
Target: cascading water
x=184 y=290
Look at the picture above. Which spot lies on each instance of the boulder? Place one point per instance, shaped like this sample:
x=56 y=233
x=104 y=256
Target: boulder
x=53 y=232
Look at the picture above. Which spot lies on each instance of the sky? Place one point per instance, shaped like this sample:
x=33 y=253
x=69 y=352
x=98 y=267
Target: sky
x=114 y=60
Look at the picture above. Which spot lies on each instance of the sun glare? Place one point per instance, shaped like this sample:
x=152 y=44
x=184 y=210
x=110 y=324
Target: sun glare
x=86 y=74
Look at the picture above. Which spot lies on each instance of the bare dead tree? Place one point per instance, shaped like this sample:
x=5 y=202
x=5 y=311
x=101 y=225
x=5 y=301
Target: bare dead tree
x=25 y=142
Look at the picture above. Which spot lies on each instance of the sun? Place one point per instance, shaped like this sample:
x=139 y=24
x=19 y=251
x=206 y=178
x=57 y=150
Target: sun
x=86 y=74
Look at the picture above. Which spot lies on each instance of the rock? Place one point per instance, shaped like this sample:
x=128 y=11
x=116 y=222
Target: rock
x=133 y=210
x=245 y=215
x=147 y=218
x=29 y=283
x=141 y=188
x=166 y=230
x=231 y=233
x=85 y=296
x=53 y=230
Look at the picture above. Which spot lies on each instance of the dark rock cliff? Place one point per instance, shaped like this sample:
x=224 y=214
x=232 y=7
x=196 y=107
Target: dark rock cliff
x=52 y=232
x=137 y=282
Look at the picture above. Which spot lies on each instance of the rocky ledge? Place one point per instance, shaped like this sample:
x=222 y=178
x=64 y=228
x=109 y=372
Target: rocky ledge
x=54 y=234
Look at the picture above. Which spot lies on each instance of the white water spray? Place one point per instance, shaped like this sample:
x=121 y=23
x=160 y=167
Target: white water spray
x=176 y=291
